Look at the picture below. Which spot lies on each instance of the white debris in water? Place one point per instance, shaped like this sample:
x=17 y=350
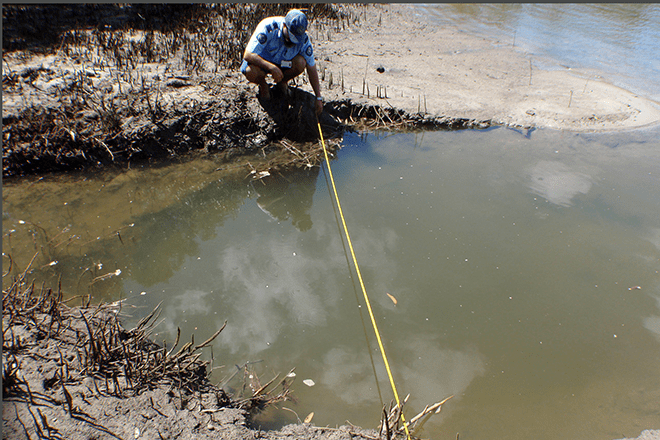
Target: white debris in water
x=309 y=382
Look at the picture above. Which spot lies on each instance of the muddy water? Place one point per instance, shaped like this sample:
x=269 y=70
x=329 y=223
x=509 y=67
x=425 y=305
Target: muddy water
x=515 y=259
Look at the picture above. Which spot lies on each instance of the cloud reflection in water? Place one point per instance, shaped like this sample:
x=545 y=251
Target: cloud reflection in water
x=555 y=182
x=427 y=371
x=272 y=281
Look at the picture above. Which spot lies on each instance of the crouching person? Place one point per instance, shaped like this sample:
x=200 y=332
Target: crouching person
x=280 y=47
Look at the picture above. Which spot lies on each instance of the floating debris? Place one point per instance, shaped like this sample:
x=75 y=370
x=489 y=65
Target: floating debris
x=107 y=276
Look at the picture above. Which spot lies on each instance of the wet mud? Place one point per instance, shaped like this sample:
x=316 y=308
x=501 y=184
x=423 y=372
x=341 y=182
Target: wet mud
x=76 y=373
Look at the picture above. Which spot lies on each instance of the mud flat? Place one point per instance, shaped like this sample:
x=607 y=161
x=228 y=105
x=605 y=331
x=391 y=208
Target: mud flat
x=396 y=58
x=120 y=89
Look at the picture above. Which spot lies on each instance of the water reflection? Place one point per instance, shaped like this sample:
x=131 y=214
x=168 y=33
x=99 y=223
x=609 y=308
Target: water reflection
x=283 y=197
x=510 y=258
x=105 y=221
x=555 y=182
x=652 y=323
x=144 y=222
x=428 y=371
x=279 y=284
x=433 y=372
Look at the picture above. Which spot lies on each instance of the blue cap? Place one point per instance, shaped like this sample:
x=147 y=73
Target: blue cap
x=296 y=22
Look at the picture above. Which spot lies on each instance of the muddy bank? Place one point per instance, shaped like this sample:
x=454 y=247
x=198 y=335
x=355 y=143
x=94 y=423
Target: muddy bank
x=134 y=84
x=125 y=87
x=76 y=373
x=397 y=58
x=110 y=92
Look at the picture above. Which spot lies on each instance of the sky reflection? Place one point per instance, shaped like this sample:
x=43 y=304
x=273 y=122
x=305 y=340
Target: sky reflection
x=555 y=182
x=510 y=258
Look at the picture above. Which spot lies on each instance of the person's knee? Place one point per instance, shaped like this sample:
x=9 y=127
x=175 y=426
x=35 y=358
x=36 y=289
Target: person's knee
x=298 y=64
x=253 y=73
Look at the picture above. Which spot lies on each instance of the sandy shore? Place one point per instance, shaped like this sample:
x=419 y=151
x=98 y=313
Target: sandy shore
x=446 y=72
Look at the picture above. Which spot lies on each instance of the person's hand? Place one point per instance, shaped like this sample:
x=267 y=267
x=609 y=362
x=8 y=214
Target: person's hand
x=319 y=107
x=276 y=72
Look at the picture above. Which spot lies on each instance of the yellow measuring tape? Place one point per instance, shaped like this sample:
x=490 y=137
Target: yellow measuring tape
x=364 y=291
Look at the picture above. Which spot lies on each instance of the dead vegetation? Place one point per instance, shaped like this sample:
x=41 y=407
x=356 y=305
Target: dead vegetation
x=44 y=28
x=87 y=86
x=61 y=362
x=129 y=83
x=51 y=351
x=392 y=425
